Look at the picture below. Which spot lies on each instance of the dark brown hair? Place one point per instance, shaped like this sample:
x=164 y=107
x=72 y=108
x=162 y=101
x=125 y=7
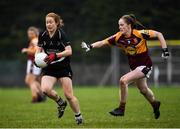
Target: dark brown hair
x=56 y=18
x=131 y=19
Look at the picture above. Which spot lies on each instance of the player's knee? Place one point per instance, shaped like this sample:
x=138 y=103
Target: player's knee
x=68 y=96
x=123 y=82
x=143 y=90
x=45 y=90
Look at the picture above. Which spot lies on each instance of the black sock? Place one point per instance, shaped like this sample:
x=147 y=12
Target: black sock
x=154 y=104
x=122 y=106
x=60 y=101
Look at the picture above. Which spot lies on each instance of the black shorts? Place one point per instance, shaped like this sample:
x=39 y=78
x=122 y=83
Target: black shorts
x=58 y=72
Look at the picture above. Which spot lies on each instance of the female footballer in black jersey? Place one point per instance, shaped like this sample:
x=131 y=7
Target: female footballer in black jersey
x=53 y=41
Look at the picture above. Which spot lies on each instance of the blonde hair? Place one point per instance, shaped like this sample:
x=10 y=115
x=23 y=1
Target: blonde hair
x=34 y=29
x=56 y=18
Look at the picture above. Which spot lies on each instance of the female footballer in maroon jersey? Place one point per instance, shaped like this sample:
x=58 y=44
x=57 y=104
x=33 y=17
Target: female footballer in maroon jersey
x=133 y=42
x=33 y=72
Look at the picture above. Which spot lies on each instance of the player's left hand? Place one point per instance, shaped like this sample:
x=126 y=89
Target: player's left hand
x=165 y=53
x=50 y=58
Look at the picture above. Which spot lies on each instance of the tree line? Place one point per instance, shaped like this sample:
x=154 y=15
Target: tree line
x=88 y=20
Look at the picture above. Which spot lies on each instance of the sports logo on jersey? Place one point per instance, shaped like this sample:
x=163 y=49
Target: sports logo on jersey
x=130 y=50
x=135 y=40
x=51 y=43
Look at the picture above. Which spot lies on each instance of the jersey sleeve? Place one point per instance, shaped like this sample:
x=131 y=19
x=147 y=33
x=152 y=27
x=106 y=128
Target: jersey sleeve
x=64 y=38
x=111 y=40
x=147 y=34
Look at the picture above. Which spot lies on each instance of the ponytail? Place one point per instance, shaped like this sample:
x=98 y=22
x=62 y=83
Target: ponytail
x=131 y=19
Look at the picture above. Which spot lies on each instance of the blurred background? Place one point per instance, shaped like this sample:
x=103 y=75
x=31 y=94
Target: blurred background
x=89 y=20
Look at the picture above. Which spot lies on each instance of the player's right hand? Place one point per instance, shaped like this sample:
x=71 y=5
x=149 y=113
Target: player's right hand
x=86 y=46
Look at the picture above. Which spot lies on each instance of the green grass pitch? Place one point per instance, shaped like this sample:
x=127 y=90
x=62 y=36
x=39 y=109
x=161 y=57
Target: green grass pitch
x=16 y=110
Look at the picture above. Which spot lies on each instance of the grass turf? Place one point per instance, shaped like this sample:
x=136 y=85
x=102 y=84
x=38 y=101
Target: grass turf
x=16 y=110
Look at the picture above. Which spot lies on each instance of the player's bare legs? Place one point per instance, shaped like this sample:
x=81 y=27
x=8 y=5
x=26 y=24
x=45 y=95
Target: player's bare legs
x=47 y=84
x=148 y=94
x=35 y=87
x=68 y=92
x=143 y=87
x=126 y=80
x=123 y=92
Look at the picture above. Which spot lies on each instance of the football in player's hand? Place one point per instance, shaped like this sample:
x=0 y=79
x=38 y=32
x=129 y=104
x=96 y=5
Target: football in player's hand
x=39 y=59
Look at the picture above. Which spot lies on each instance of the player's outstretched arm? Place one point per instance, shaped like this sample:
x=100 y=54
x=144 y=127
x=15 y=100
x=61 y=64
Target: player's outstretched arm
x=97 y=44
x=29 y=50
